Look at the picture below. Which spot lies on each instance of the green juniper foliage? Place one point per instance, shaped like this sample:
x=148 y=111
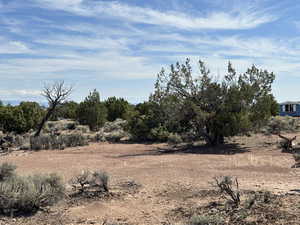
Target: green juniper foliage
x=214 y=109
x=92 y=111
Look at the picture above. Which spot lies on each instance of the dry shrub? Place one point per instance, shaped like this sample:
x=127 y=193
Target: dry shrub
x=81 y=181
x=7 y=170
x=112 y=131
x=60 y=125
x=29 y=194
x=100 y=180
x=88 y=179
x=279 y=124
x=205 y=220
x=116 y=125
x=229 y=187
x=57 y=142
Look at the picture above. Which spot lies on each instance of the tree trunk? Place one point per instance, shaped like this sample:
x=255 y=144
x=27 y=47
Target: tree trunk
x=213 y=139
x=44 y=120
x=217 y=139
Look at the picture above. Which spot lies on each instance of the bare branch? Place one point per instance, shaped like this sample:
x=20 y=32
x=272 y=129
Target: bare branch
x=55 y=94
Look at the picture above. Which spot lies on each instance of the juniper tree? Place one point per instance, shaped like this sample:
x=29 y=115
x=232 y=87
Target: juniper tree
x=212 y=108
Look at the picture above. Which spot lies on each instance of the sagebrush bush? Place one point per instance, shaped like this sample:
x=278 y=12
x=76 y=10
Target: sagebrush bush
x=28 y=194
x=40 y=142
x=205 y=220
x=7 y=170
x=115 y=136
x=46 y=142
x=88 y=179
x=279 y=124
x=73 y=140
x=100 y=180
x=82 y=180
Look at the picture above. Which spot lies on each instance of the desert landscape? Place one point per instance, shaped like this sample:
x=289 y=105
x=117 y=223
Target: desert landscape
x=156 y=184
x=138 y=112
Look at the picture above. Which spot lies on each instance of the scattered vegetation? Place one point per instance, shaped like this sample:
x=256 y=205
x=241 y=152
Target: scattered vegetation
x=45 y=142
x=205 y=220
x=280 y=124
x=27 y=194
x=229 y=187
x=7 y=171
x=88 y=180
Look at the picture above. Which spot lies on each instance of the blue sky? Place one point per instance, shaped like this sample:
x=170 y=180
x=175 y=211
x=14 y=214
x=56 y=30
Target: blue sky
x=118 y=47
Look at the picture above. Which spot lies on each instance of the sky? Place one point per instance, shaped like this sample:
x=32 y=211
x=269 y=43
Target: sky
x=118 y=47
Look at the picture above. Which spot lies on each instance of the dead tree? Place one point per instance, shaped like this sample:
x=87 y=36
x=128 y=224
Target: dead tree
x=287 y=144
x=55 y=94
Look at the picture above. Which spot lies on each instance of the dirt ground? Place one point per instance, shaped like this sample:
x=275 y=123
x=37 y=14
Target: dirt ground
x=165 y=176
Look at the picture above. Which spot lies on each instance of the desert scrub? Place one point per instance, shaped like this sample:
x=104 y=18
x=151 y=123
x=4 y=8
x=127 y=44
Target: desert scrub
x=279 y=124
x=73 y=140
x=28 y=194
x=206 y=220
x=81 y=181
x=46 y=142
x=88 y=179
x=7 y=170
x=229 y=187
x=100 y=180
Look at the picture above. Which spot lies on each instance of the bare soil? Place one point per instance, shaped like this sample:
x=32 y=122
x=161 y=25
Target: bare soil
x=156 y=184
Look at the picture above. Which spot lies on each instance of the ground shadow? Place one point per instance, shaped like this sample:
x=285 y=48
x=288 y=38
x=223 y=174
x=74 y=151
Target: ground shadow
x=226 y=149
x=295 y=190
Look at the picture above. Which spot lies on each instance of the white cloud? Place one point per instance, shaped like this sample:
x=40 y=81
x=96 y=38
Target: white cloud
x=84 y=42
x=242 y=19
x=13 y=47
x=19 y=94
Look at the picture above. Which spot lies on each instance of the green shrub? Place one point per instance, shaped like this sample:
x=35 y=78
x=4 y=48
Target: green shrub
x=7 y=170
x=28 y=194
x=205 y=220
x=22 y=118
x=117 y=108
x=92 y=111
x=159 y=134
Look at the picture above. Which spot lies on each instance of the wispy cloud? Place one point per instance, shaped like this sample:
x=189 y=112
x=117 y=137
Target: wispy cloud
x=112 y=44
x=17 y=94
x=242 y=19
x=13 y=47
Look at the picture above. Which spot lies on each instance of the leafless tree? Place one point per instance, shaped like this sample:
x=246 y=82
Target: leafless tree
x=55 y=94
